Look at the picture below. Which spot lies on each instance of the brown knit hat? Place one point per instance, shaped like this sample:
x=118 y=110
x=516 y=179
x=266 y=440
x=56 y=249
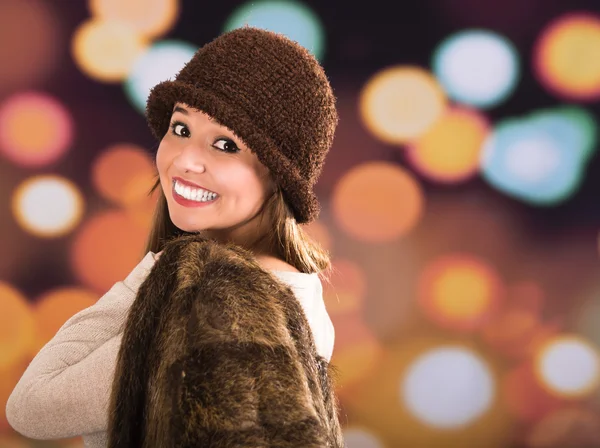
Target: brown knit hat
x=272 y=93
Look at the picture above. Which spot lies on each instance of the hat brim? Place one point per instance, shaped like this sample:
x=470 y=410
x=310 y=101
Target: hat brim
x=297 y=191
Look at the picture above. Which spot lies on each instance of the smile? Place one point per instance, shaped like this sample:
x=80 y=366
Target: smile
x=186 y=195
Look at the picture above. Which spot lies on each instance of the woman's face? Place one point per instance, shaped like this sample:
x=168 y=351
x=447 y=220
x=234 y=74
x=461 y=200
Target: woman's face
x=211 y=180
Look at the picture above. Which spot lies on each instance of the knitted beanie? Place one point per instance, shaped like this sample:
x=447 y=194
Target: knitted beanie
x=272 y=93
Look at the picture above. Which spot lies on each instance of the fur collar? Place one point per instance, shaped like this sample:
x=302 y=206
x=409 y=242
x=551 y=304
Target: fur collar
x=217 y=353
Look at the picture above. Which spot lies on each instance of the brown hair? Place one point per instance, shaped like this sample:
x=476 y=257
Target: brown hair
x=284 y=238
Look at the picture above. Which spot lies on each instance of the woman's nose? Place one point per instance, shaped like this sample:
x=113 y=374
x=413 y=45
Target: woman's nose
x=191 y=158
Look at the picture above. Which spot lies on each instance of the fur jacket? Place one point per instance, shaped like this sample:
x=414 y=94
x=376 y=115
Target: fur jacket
x=217 y=353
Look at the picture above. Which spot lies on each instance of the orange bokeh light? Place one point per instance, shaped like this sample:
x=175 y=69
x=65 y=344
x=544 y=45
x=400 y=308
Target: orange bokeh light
x=54 y=308
x=35 y=129
x=347 y=288
x=459 y=292
x=378 y=202
x=124 y=174
x=450 y=149
x=149 y=17
x=17 y=326
x=567 y=57
x=107 y=248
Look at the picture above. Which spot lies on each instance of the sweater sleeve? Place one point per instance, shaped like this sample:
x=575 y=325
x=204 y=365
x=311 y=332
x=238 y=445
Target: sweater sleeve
x=64 y=392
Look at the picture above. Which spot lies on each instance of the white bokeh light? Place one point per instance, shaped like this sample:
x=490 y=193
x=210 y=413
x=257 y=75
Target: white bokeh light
x=447 y=387
x=532 y=160
x=161 y=62
x=569 y=366
x=47 y=206
x=360 y=438
x=477 y=67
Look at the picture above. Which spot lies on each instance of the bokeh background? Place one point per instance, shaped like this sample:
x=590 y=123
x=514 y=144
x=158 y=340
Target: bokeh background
x=459 y=199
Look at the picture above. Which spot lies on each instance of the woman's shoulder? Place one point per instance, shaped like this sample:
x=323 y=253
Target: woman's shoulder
x=275 y=264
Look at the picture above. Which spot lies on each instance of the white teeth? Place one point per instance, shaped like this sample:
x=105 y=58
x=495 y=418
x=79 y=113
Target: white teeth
x=194 y=194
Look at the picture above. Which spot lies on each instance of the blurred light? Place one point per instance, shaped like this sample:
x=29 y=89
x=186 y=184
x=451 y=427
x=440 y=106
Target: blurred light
x=524 y=397
x=319 y=232
x=569 y=366
x=567 y=56
x=399 y=104
x=13 y=441
x=357 y=351
x=106 y=249
x=524 y=160
x=477 y=67
x=124 y=174
x=510 y=332
x=573 y=126
x=346 y=289
x=35 y=129
x=106 y=50
x=360 y=438
x=459 y=292
x=450 y=150
x=569 y=427
x=448 y=387
x=31 y=42
x=160 y=62
x=290 y=18
x=17 y=326
x=54 y=308
x=47 y=206
x=377 y=202
x=150 y=18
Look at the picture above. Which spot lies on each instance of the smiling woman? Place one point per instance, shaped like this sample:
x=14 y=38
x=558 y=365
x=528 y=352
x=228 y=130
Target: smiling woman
x=220 y=336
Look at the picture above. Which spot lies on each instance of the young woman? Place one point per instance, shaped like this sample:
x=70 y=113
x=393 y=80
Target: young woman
x=219 y=337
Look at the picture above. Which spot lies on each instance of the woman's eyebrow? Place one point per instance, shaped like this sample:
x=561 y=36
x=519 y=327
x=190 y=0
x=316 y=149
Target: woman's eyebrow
x=181 y=110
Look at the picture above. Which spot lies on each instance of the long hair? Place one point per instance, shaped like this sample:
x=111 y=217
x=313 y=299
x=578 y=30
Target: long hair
x=280 y=234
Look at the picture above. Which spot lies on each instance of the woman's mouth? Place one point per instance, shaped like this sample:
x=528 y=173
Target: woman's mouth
x=192 y=197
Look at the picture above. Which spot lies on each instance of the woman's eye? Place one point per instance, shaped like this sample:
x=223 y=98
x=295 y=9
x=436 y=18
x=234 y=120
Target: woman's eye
x=226 y=145
x=180 y=130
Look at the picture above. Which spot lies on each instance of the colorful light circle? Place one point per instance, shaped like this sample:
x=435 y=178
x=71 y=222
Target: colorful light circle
x=401 y=103
x=290 y=18
x=48 y=206
x=567 y=56
x=17 y=326
x=377 y=202
x=360 y=438
x=150 y=18
x=569 y=366
x=459 y=292
x=124 y=174
x=450 y=150
x=160 y=62
x=35 y=129
x=106 y=50
x=524 y=160
x=448 y=388
x=477 y=67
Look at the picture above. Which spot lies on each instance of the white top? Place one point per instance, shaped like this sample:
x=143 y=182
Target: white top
x=65 y=390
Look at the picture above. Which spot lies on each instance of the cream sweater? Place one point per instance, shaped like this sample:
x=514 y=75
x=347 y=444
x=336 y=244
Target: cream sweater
x=65 y=390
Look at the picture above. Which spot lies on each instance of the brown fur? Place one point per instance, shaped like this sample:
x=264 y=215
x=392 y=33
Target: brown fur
x=218 y=353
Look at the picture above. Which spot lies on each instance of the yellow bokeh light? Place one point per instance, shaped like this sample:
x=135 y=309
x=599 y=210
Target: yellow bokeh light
x=567 y=56
x=450 y=149
x=377 y=202
x=124 y=174
x=107 y=248
x=568 y=366
x=459 y=292
x=47 y=206
x=151 y=18
x=17 y=326
x=55 y=307
x=106 y=50
x=400 y=103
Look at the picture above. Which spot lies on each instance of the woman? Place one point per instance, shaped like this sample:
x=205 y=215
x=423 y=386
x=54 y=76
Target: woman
x=221 y=339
